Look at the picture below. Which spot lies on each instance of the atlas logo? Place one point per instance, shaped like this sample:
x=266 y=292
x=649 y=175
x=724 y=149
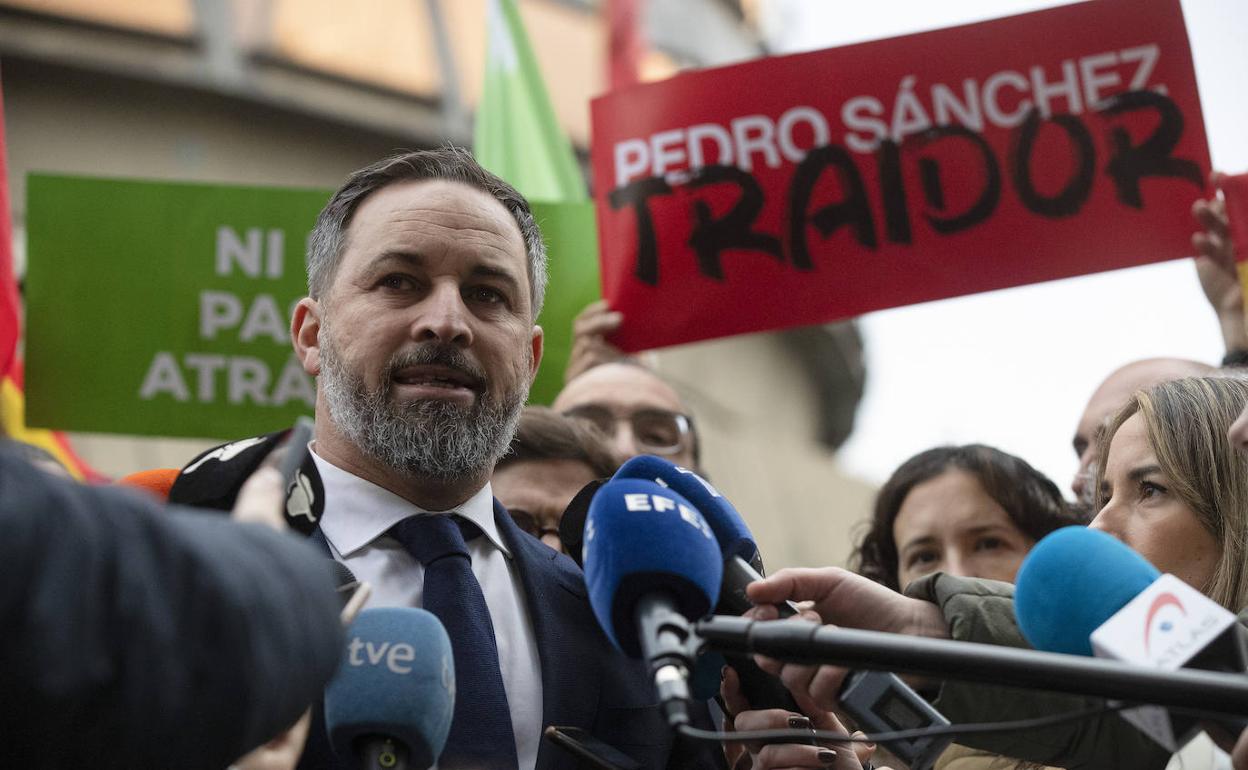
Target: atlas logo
x=1166 y=625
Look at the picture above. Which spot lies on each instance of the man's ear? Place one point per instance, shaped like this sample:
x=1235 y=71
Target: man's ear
x=538 y=336
x=305 y=329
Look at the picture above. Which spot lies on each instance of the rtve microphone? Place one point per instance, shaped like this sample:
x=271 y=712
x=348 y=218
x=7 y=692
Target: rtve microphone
x=1081 y=591
x=391 y=703
x=651 y=568
x=877 y=700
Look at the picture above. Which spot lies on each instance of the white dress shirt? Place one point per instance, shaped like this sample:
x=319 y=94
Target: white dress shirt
x=357 y=515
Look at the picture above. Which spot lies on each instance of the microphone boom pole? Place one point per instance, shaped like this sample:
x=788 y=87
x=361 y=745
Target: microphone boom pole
x=812 y=643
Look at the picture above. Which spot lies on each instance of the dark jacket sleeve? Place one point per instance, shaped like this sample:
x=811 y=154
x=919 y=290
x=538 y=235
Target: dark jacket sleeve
x=983 y=611
x=142 y=637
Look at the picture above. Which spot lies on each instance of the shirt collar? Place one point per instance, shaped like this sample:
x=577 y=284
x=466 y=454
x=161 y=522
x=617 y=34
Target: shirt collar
x=357 y=511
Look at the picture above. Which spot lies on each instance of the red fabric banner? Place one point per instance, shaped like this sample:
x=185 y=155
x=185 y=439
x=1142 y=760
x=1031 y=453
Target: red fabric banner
x=9 y=306
x=803 y=189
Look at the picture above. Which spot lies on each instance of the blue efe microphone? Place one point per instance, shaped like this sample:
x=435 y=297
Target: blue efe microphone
x=1071 y=582
x=651 y=567
x=390 y=704
x=873 y=698
x=743 y=565
x=731 y=532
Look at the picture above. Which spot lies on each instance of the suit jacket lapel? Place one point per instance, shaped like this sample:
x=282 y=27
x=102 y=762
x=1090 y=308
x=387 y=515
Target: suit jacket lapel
x=569 y=644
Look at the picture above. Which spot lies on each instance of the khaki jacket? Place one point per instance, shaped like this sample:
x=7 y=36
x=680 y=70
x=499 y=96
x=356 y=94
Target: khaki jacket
x=983 y=611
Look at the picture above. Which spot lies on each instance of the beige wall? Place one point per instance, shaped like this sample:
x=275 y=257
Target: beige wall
x=166 y=17
x=388 y=43
x=754 y=408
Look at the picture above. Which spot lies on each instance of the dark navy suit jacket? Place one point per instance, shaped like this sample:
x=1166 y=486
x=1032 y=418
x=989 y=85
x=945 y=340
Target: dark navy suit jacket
x=586 y=682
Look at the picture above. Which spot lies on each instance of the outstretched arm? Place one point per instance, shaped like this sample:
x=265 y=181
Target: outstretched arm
x=139 y=636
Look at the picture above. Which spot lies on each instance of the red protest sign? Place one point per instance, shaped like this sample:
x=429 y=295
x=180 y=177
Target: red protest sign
x=802 y=189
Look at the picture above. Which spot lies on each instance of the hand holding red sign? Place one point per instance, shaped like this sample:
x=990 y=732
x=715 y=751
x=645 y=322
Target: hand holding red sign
x=1215 y=266
x=1235 y=227
x=1228 y=236
x=802 y=189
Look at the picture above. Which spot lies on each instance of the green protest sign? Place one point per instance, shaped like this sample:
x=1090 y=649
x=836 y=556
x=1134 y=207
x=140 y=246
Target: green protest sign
x=163 y=309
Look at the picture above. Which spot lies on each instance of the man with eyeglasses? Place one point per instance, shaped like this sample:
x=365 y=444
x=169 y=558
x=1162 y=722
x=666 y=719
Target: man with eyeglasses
x=637 y=411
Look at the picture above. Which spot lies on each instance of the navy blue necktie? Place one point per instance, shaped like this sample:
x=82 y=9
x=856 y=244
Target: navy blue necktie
x=481 y=736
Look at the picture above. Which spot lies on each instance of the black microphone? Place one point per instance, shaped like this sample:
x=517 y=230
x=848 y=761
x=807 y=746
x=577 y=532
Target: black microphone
x=877 y=701
x=572 y=522
x=799 y=641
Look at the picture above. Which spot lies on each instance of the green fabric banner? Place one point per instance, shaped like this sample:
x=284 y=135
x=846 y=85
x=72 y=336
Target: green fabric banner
x=518 y=137
x=516 y=134
x=163 y=309
x=571 y=234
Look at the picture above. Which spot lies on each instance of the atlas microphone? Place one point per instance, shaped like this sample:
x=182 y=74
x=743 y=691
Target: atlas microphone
x=391 y=703
x=878 y=701
x=652 y=568
x=1080 y=591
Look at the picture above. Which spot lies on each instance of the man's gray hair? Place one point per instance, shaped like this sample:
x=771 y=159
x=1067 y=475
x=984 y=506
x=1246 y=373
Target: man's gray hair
x=455 y=164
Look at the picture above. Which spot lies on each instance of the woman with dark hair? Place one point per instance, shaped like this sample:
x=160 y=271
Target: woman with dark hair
x=972 y=511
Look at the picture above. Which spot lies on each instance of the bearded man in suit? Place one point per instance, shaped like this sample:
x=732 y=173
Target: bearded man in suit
x=425 y=277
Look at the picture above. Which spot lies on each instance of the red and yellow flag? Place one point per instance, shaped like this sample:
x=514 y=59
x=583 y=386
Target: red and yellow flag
x=13 y=421
x=9 y=313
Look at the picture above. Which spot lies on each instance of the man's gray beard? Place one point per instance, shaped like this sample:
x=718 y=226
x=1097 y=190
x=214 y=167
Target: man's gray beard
x=426 y=439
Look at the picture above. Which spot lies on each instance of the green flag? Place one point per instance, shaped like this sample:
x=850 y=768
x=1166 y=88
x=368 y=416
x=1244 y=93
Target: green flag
x=518 y=138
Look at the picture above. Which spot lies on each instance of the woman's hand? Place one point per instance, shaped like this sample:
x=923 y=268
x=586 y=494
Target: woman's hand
x=842 y=755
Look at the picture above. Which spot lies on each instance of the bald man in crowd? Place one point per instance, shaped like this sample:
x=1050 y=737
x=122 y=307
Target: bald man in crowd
x=1109 y=396
x=1215 y=267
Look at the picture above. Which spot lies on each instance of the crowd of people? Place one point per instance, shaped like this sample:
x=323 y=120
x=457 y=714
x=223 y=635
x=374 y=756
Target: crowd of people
x=430 y=481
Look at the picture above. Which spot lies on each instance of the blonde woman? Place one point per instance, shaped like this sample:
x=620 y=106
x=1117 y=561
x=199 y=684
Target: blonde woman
x=1175 y=489
x=1171 y=486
